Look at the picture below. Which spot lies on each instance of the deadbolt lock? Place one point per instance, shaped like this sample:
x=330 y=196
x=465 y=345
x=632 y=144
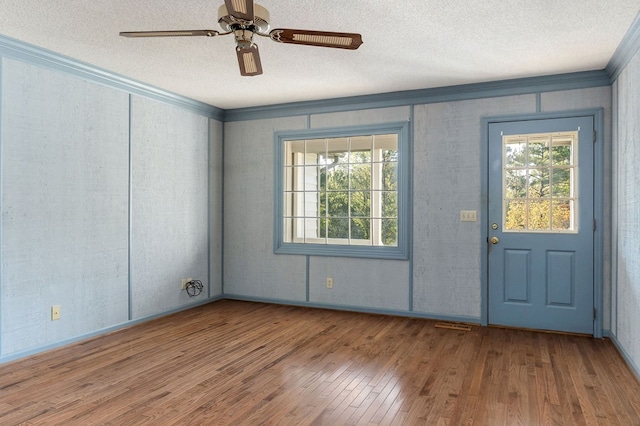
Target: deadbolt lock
x=494 y=226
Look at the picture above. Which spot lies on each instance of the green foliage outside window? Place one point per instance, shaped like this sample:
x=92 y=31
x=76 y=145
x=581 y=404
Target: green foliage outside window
x=346 y=192
x=538 y=184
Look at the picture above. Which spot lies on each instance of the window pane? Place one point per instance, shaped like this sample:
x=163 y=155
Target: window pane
x=516 y=183
x=298 y=228
x=338 y=203
x=390 y=155
x=561 y=151
x=561 y=183
x=539 y=152
x=337 y=176
x=360 y=204
x=539 y=215
x=286 y=230
x=311 y=158
x=515 y=153
x=561 y=215
x=390 y=176
x=287 y=208
x=516 y=215
x=292 y=148
x=324 y=160
x=390 y=204
x=390 y=232
x=338 y=228
x=360 y=176
x=311 y=228
x=322 y=232
x=311 y=204
x=539 y=183
x=288 y=178
x=359 y=157
x=360 y=228
x=317 y=146
x=360 y=147
x=388 y=144
x=338 y=145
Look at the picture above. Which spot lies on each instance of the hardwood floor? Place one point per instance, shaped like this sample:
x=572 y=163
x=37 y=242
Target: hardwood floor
x=249 y=363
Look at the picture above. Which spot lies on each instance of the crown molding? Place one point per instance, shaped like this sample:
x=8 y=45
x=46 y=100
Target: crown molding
x=626 y=50
x=19 y=50
x=520 y=86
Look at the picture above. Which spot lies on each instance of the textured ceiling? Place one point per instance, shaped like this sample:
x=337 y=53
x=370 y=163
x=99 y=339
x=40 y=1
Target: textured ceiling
x=410 y=44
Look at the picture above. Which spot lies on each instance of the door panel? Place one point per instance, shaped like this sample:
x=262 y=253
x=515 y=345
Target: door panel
x=517 y=276
x=540 y=254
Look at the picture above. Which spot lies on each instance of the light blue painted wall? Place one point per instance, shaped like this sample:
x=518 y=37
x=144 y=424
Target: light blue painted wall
x=626 y=213
x=169 y=225
x=443 y=278
x=64 y=206
x=446 y=252
x=82 y=161
x=360 y=117
x=366 y=283
x=252 y=269
x=250 y=266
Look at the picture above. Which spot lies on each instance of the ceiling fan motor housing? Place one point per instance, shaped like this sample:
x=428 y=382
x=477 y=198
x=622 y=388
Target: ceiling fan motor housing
x=260 y=22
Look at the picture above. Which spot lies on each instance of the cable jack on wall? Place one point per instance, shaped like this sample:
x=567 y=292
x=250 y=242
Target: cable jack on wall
x=194 y=287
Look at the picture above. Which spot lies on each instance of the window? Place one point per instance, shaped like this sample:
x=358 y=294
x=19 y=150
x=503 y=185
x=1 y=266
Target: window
x=343 y=192
x=540 y=185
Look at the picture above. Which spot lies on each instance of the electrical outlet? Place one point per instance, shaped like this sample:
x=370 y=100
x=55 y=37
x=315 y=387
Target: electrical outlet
x=184 y=282
x=55 y=312
x=329 y=282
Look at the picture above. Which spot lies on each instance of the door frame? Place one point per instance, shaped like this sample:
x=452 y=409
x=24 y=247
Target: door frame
x=598 y=204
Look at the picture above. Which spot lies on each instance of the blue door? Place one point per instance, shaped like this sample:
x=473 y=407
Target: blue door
x=541 y=224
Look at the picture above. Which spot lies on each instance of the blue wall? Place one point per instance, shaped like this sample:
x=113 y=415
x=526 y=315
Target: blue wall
x=625 y=248
x=443 y=277
x=108 y=199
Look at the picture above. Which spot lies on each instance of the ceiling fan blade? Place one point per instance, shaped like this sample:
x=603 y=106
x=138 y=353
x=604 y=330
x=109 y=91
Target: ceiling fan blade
x=317 y=38
x=184 y=33
x=249 y=60
x=240 y=9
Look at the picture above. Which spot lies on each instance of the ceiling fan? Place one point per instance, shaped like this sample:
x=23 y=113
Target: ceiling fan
x=244 y=19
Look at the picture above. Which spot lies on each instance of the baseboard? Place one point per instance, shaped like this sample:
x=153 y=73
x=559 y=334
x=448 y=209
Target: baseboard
x=353 y=308
x=632 y=365
x=40 y=349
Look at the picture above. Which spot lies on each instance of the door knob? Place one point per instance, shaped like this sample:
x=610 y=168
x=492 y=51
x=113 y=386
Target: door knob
x=494 y=240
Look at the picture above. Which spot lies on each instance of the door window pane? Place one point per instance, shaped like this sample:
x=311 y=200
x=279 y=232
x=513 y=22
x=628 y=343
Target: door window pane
x=539 y=185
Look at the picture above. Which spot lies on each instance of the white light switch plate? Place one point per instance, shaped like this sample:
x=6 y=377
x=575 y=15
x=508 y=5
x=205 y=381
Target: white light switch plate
x=468 y=216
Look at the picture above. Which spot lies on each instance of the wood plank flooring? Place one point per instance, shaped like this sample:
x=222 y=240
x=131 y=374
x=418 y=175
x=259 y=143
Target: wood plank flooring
x=241 y=363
